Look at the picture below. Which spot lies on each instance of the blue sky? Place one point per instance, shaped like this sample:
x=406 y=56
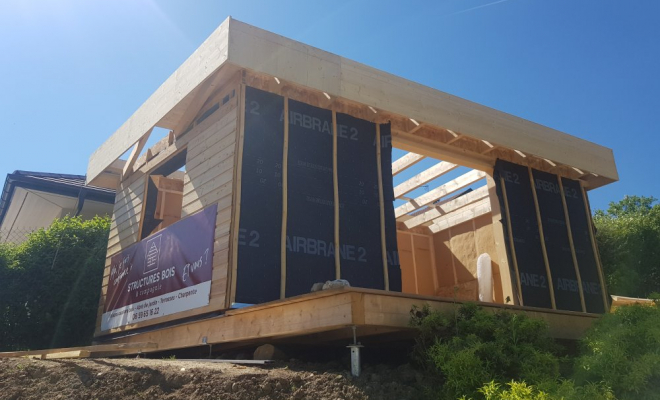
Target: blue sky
x=74 y=70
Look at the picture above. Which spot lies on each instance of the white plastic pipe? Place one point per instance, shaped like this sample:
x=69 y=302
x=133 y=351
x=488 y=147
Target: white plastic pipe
x=485 y=278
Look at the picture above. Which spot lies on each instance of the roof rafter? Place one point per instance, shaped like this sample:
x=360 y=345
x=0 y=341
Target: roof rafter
x=447 y=207
x=405 y=162
x=439 y=192
x=461 y=215
x=423 y=178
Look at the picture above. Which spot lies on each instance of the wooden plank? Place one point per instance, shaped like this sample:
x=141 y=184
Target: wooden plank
x=335 y=184
x=542 y=235
x=381 y=208
x=182 y=84
x=439 y=192
x=137 y=149
x=113 y=347
x=285 y=199
x=594 y=246
x=570 y=242
x=445 y=208
x=200 y=97
x=238 y=171
x=461 y=215
x=423 y=178
x=405 y=162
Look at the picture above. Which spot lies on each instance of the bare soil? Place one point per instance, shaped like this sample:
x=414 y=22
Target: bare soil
x=196 y=379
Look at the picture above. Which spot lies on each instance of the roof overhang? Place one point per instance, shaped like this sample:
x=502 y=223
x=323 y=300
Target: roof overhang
x=236 y=46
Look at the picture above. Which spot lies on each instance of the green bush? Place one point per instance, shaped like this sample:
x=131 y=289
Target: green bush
x=472 y=346
x=50 y=284
x=562 y=390
x=623 y=350
x=628 y=235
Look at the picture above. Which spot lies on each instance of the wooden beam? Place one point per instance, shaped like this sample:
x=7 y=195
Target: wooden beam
x=135 y=153
x=405 y=162
x=539 y=221
x=285 y=199
x=201 y=95
x=461 y=215
x=335 y=184
x=381 y=208
x=447 y=207
x=236 y=203
x=436 y=149
x=439 y=192
x=569 y=232
x=594 y=245
x=177 y=89
x=423 y=177
x=74 y=352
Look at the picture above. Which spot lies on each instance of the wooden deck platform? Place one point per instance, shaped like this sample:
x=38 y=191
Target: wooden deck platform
x=327 y=316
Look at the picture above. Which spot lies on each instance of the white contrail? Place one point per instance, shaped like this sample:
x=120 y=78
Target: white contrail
x=477 y=7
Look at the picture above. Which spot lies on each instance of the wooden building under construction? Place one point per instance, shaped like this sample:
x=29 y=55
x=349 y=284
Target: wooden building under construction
x=277 y=172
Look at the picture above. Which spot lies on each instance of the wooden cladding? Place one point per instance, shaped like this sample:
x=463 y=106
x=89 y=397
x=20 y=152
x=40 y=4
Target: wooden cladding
x=315 y=201
x=550 y=240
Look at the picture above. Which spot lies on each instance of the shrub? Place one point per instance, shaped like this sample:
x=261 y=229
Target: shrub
x=49 y=285
x=563 y=390
x=474 y=346
x=623 y=350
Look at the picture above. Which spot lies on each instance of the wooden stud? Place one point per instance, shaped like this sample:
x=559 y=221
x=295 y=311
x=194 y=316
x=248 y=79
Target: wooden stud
x=453 y=258
x=436 y=283
x=570 y=241
x=285 y=199
x=412 y=249
x=237 y=196
x=594 y=245
x=511 y=242
x=543 y=249
x=335 y=182
x=381 y=208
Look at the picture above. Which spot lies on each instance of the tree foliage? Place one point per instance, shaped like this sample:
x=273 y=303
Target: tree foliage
x=628 y=235
x=49 y=285
x=622 y=349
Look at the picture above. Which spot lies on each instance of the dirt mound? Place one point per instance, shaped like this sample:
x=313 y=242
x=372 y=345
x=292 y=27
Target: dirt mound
x=181 y=379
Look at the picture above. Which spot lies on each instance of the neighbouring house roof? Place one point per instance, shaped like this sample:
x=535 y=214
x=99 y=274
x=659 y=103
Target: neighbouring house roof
x=59 y=184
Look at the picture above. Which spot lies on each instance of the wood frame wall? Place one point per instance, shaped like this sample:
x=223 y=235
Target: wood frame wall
x=215 y=154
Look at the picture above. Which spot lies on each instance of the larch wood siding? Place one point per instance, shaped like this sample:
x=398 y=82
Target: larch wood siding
x=209 y=179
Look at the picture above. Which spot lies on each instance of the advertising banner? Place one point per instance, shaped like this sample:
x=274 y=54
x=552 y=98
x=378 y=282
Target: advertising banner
x=165 y=273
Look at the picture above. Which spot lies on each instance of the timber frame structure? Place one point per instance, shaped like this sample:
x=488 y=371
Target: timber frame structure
x=202 y=105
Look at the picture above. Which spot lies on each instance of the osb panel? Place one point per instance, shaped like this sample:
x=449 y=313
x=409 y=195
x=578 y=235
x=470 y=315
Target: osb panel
x=423 y=263
x=464 y=251
x=443 y=257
